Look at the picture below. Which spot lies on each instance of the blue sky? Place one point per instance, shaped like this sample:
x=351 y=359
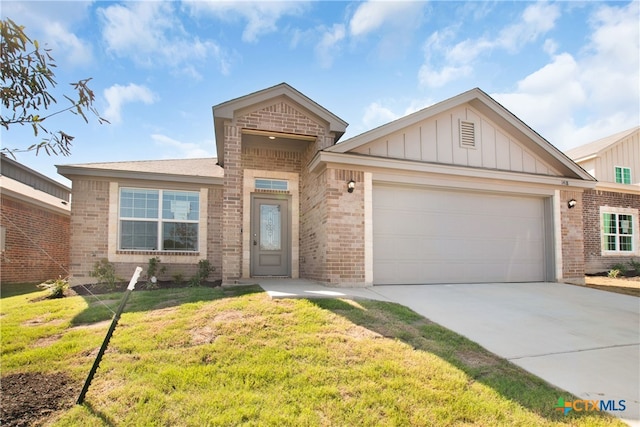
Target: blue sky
x=570 y=70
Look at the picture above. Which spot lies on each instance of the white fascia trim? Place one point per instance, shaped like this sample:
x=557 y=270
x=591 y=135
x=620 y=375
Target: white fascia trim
x=368 y=162
x=618 y=188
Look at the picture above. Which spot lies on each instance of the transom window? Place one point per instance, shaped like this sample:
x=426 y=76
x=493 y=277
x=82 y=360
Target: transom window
x=623 y=175
x=159 y=220
x=618 y=232
x=272 y=184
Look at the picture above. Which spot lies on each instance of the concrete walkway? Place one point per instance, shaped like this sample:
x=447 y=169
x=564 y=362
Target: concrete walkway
x=582 y=340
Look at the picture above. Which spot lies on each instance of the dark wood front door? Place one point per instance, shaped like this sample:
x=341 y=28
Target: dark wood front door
x=270 y=237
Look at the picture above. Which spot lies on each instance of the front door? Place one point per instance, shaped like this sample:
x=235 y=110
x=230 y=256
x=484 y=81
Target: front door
x=270 y=246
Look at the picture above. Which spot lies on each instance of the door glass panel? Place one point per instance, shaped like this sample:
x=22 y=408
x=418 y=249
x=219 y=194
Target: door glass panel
x=270 y=227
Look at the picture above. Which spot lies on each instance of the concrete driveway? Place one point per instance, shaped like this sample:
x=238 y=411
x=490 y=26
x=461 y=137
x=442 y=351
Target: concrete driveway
x=582 y=340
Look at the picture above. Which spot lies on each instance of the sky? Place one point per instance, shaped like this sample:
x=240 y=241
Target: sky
x=570 y=70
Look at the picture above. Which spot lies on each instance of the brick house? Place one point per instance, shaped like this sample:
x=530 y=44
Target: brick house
x=459 y=192
x=34 y=226
x=611 y=209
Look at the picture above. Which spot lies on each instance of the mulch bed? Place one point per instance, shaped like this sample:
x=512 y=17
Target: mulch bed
x=102 y=288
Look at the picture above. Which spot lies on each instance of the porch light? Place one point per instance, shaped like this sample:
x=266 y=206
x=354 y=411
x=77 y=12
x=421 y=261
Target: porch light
x=572 y=203
x=350 y=186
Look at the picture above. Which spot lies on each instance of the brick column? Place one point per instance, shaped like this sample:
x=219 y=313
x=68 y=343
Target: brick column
x=232 y=205
x=572 y=238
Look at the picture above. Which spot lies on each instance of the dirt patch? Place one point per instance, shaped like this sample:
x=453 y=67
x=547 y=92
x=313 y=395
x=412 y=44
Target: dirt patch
x=31 y=396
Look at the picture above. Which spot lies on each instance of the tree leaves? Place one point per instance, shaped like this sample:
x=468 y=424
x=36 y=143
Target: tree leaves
x=27 y=77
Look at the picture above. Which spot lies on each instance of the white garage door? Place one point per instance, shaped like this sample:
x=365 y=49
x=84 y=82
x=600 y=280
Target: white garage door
x=437 y=236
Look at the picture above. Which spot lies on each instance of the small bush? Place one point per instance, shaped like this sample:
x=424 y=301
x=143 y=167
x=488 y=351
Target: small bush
x=105 y=272
x=204 y=270
x=622 y=269
x=55 y=287
x=613 y=273
x=635 y=265
x=178 y=278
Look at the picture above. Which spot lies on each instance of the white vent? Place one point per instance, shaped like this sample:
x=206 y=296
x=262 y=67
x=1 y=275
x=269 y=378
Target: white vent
x=467 y=134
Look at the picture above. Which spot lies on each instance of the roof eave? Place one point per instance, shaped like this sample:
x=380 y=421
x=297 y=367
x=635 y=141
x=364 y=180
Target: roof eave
x=72 y=171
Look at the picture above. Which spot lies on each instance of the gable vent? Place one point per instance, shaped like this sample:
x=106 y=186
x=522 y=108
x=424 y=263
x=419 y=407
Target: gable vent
x=467 y=134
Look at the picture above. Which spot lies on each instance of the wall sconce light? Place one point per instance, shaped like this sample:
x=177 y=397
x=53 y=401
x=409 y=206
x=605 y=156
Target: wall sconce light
x=572 y=203
x=350 y=186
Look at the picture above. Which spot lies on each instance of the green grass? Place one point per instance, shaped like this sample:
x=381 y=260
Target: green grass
x=203 y=356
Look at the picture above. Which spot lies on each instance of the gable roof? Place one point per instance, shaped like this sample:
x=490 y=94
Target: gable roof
x=205 y=171
x=595 y=148
x=491 y=109
x=225 y=111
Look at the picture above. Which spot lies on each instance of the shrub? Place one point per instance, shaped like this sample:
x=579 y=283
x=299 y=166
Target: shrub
x=105 y=272
x=153 y=269
x=622 y=269
x=613 y=273
x=178 y=278
x=55 y=287
x=635 y=265
x=204 y=270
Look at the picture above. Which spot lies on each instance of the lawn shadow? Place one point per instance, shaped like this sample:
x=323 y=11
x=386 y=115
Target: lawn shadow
x=395 y=321
x=101 y=307
x=106 y=420
x=15 y=289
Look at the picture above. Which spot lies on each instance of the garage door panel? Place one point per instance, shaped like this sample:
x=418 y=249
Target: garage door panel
x=433 y=236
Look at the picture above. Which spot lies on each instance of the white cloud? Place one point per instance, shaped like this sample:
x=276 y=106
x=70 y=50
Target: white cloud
x=76 y=51
x=261 y=16
x=328 y=46
x=575 y=100
x=457 y=59
x=372 y=15
x=182 y=149
x=118 y=95
x=376 y=115
x=150 y=34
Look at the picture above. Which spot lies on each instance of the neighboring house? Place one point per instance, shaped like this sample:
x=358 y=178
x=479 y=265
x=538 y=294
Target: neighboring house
x=459 y=192
x=34 y=225
x=611 y=210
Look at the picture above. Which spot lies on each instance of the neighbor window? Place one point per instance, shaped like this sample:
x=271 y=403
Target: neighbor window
x=159 y=220
x=623 y=175
x=618 y=232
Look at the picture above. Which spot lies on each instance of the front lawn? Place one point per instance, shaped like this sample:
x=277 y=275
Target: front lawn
x=232 y=356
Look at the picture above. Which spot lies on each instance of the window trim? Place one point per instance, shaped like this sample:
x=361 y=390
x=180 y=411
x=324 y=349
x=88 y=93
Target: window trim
x=622 y=174
x=635 y=233
x=159 y=220
x=137 y=256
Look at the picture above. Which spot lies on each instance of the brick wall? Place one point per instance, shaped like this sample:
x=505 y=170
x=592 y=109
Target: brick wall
x=592 y=200
x=572 y=238
x=37 y=243
x=90 y=232
x=345 y=228
x=278 y=117
x=89 y=227
x=313 y=230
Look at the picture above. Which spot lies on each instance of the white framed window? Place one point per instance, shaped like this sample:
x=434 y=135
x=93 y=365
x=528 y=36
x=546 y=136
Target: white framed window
x=158 y=220
x=623 y=175
x=619 y=230
x=272 y=184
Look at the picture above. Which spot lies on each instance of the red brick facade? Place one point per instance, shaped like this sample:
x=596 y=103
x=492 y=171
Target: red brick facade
x=572 y=238
x=36 y=245
x=595 y=261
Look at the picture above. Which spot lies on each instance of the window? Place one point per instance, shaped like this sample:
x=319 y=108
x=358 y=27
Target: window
x=618 y=232
x=623 y=175
x=159 y=220
x=272 y=184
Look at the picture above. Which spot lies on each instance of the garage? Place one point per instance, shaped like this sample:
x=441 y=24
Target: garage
x=423 y=235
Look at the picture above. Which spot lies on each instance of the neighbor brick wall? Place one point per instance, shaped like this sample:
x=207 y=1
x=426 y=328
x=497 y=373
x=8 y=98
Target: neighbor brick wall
x=592 y=200
x=36 y=245
x=572 y=238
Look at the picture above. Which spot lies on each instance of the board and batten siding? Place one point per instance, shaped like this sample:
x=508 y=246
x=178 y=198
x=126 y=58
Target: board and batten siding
x=437 y=140
x=624 y=154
